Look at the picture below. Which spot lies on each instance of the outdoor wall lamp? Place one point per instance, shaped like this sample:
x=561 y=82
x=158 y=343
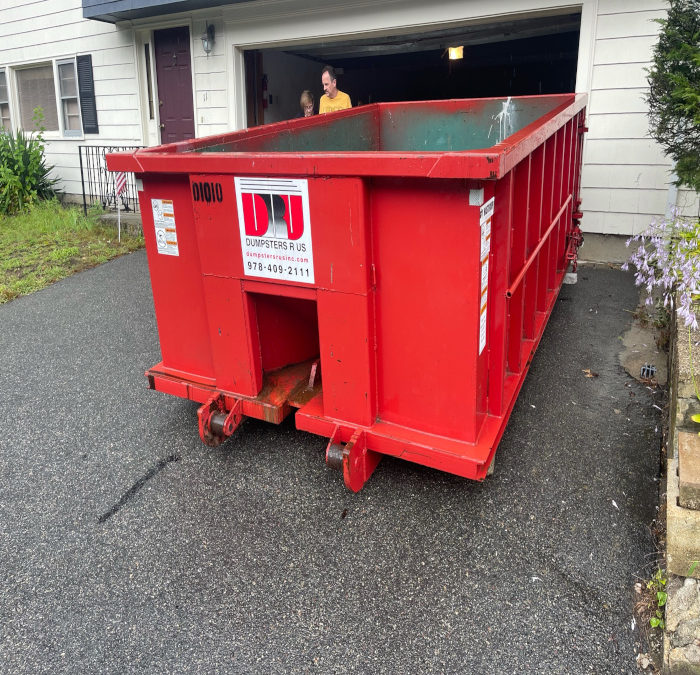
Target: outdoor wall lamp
x=455 y=53
x=208 y=39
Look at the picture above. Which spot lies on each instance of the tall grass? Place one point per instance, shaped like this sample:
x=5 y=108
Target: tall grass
x=48 y=242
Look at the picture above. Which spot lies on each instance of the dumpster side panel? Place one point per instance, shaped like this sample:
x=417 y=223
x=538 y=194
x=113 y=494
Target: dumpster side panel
x=488 y=300
x=216 y=222
x=176 y=278
x=233 y=331
x=556 y=253
x=346 y=334
x=545 y=269
x=532 y=240
x=340 y=222
x=518 y=232
x=535 y=232
x=563 y=191
x=426 y=246
x=339 y=218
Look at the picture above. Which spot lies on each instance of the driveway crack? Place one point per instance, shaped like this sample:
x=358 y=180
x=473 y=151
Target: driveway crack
x=129 y=494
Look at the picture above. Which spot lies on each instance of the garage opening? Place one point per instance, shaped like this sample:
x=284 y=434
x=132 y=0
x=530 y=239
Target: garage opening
x=535 y=55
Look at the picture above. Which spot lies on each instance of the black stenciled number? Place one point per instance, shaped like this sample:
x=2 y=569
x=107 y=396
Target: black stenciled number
x=207 y=192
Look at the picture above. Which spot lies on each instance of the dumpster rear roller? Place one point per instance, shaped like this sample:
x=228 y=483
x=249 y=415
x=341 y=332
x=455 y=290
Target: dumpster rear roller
x=385 y=272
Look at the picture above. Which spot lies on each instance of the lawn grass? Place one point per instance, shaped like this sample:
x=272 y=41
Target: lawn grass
x=50 y=242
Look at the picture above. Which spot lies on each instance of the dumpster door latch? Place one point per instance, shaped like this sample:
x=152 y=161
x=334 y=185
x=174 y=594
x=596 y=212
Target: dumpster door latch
x=575 y=239
x=216 y=423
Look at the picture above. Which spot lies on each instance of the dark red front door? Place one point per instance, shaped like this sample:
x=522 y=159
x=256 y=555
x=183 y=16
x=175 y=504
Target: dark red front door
x=174 y=74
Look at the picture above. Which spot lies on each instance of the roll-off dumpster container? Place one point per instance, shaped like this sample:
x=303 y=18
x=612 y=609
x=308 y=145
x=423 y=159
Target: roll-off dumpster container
x=386 y=271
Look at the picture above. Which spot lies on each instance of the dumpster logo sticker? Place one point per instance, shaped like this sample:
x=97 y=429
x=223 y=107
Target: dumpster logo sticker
x=164 y=223
x=485 y=214
x=273 y=216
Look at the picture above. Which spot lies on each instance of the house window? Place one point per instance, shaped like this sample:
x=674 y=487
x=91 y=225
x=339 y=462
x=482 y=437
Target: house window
x=5 y=124
x=70 y=107
x=35 y=88
x=64 y=90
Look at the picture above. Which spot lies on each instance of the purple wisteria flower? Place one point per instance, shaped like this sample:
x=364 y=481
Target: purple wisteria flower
x=668 y=258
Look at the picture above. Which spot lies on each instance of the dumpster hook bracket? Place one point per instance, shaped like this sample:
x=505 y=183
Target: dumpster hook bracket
x=355 y=459
x=216 y=423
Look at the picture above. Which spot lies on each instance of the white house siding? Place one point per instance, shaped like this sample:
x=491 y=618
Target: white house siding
x=210 y=79
x=625 y=174
x=55 y=29
x=688 y=203
x=626 y=177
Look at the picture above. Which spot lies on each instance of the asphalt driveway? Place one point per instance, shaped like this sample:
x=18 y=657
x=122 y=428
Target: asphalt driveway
x=126 y=545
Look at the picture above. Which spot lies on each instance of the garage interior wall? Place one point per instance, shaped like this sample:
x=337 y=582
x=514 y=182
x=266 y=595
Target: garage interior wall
x=287 y=77
x=545 y=65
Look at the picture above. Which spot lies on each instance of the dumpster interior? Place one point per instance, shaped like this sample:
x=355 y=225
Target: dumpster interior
x=287 y=329
x=524 y=56
x=444 y=126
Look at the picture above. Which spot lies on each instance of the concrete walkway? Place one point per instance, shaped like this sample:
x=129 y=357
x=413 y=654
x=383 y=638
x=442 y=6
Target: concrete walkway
x=128 y=546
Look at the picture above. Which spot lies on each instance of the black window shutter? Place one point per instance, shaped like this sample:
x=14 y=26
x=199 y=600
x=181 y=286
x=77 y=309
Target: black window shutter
x=86 y=89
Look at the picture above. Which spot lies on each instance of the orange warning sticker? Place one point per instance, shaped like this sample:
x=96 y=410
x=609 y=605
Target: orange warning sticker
x=164 y=226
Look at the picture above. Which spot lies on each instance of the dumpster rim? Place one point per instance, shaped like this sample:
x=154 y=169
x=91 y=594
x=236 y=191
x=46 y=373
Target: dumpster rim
x=491 y=163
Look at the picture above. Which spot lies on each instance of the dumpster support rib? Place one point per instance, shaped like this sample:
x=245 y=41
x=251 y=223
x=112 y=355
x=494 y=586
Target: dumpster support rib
x=533 y=255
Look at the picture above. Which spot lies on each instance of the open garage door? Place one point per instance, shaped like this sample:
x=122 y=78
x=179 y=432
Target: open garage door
x=533 y=55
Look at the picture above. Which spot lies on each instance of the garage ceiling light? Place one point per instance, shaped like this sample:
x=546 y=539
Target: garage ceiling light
x=456 y=53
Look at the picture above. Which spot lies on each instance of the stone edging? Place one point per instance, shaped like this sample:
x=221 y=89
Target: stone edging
x=682 y=636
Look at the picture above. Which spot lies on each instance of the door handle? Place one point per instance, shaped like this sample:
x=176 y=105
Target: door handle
x=162 y=126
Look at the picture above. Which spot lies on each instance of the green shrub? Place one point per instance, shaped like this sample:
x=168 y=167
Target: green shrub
x=24 y=175
x=674 y=90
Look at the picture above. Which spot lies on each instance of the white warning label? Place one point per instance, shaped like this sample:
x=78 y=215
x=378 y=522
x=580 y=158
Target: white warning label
x=275 y=228
x=164 y=224
x=485 y=214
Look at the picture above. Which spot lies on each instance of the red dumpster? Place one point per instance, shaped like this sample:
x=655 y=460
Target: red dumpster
x=385 y=271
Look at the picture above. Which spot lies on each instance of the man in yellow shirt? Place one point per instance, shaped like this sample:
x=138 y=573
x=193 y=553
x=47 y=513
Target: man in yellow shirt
x=333 y=99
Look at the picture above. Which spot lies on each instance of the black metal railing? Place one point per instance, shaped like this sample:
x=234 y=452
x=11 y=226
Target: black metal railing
x=98 y=182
